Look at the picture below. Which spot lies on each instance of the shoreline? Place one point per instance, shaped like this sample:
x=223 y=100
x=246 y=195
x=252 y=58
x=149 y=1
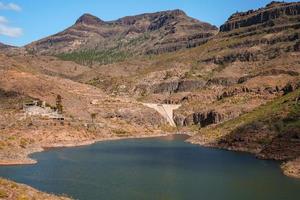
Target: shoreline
x=289 y=168
x=29 y=161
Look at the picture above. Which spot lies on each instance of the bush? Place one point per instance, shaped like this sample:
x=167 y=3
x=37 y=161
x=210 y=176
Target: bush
x=120 y=132
x=23 y=143
x=3 y=194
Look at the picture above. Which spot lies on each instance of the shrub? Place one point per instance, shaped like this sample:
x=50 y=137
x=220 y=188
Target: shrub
x=3 y=194
x=89 y=57
x=23 y=143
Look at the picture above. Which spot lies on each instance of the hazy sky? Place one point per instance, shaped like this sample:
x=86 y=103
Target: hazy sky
x=23 y=21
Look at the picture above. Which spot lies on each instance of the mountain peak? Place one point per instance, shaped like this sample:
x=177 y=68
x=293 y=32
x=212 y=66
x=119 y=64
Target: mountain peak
x=89 y=20
x=275 y=3
x=177 y=12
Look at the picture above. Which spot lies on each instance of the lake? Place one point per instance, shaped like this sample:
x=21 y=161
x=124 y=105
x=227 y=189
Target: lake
x=165 y=168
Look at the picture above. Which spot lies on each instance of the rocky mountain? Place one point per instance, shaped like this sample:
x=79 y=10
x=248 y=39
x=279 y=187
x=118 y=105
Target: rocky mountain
x=4 y=46
x=242 y=68
x=141 y=34
x=253 y=57
x=264 y=17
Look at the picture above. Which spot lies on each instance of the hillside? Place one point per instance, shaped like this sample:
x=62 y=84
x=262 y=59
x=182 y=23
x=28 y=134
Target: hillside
x=272 y=131
x=231 y=74
x=101 y=41
x=10 y=191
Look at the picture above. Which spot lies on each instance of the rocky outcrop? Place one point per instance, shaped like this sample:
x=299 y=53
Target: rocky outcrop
x=204 y=119
x=170 y=87
x=275 y=39
x=271 y=12
x=224 y=81
x=174 y=44
x=245 y=56
x=290 y=87
x=200 y=119
x=239 y=90
x=177 y=86
x=89 y=19
x=272 y=72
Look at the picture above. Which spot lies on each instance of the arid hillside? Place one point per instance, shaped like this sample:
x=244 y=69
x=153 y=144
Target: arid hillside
x=92 y=40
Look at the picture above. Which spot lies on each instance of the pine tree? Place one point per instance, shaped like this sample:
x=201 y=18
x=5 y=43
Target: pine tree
x=59 y=105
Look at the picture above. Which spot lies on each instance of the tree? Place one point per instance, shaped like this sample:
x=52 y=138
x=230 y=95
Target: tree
x=93 y=116
x=59 y=105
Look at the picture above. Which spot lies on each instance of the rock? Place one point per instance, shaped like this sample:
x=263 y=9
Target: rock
x=170 y=86
x=290 y=87
x=271 y=12
x=89 y=19
x=201 y=119
x=222 y=81
x=94 y=101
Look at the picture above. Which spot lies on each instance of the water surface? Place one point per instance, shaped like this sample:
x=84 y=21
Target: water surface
x=154 y=169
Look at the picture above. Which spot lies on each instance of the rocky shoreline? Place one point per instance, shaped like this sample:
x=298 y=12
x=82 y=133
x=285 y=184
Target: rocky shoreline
x=289 y=168
x=10 y=190
x=25 y=160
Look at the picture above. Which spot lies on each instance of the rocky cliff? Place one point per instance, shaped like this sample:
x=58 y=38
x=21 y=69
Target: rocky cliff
x=263 y=16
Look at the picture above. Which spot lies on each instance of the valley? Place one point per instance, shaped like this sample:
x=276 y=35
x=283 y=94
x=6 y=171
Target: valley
x=236 y=87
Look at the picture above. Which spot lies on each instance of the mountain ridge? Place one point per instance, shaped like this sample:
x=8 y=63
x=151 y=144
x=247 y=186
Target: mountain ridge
x=140 y=34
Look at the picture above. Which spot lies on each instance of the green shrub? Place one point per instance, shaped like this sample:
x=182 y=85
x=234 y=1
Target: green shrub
x=90 y=57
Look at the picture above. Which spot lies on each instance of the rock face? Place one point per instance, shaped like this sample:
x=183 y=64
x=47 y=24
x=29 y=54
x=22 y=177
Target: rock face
x=89 y=19
x=146 y=33
x=178 y=86
x=169 y=87
x=272 y=11
x=203 y=119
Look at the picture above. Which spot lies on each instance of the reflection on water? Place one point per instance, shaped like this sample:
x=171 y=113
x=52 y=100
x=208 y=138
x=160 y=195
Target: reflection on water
x=154 y=168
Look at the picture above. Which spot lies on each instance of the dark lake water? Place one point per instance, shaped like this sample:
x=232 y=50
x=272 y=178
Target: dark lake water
x=154 y=169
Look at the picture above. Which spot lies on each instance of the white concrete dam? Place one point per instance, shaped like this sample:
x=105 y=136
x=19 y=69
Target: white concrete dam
x=166 y=110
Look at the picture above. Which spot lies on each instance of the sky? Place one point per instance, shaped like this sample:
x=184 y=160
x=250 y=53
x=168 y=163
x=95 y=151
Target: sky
x=24 y=21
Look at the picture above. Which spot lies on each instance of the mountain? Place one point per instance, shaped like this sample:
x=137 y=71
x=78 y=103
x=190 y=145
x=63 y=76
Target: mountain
x=141 y=34
x=253 y=61
x=238 y=87
x=4 y=46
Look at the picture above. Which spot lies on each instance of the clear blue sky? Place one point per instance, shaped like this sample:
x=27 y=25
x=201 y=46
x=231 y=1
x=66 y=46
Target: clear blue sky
x=24 y=21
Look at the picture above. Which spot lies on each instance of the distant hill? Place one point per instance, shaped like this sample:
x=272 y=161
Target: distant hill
x=4 y=46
